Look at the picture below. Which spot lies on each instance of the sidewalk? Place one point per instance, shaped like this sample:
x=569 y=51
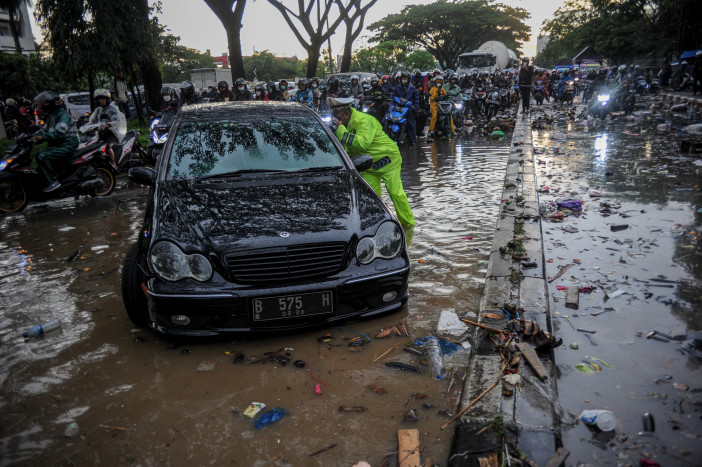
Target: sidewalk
x=529 y=424
x=681 y=97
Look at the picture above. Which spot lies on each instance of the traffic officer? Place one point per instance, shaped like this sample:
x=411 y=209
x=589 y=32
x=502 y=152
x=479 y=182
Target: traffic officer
x=363 y=134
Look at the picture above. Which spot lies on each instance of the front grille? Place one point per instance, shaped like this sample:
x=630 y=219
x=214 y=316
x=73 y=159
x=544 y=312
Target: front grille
x=293 y=263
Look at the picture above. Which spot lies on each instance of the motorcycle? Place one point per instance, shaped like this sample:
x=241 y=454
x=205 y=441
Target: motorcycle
x=505 y=99
x=160 y=126
x=395 y=120
x=576 y=86
x=568 y=93
x=444 y=115
x=538 y=92
x=128 y=152
x=480 y=98
x=374 y=106
x=493 y=104
x=601 y=108
x=457 y=111
x=86 y=172
x=588 y=91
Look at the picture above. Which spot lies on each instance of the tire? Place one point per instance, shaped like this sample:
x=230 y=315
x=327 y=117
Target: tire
x=108 y=180
x=13 y=197
x=135 y=302
x=445 y=127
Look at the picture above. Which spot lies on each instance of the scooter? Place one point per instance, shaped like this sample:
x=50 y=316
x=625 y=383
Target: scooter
x=505 y=99
x=601 y=108
x=568 y=93
x=493 y=104
x=160 y=126
x=444 y=115
x=128 y=153
x=480 y=98
x=395 y=121
x=538 y=92
x=374 y=106
x=87 y=172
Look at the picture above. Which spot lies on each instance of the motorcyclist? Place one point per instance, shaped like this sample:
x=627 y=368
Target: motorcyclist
x=406 y=90
x=565 y=78
x=612 y=75
x=501 y=81
x=260 y=93
x=387 y=85
x=304 y=95
x=361 y=133
x=241 y=92
x=677 y=77
x=188 y=96
x=356 y=90
x=435 y=72
x=12 y=112
x=224 y=94
x=170 y=100
x=452 y=88
x=316 y=93
x=59 y=131
x=113 y=124
x=418 y=82
x=282 y=92
x=436 y=93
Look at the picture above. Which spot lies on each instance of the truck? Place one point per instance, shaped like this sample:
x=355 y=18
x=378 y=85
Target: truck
x=490 y=57
x=203 y=77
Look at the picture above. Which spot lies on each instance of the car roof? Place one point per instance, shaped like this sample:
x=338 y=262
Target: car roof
x=244 y=110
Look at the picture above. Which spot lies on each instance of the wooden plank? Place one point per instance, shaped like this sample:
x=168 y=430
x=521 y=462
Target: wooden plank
x=533 y=360
x=573 y=297
x=558 y=458
x=408 y=448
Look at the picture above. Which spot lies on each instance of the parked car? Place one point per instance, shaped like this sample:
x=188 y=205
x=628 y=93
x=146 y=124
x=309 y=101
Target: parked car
x=257 y=221
x=77 y=104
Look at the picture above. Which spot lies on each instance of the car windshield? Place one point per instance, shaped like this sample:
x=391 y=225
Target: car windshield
x=476 y=61
x=81 y=99
x=210 y=148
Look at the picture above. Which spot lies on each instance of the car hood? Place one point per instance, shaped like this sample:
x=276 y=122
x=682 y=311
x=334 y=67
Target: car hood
x=259 y=212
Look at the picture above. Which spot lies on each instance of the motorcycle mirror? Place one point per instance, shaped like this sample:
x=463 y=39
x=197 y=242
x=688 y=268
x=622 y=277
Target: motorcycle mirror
x=361 y=163
x=142 y=176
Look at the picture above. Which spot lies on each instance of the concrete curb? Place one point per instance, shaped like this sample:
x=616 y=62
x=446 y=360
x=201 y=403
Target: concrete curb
x=678 y=98
x=529 y=424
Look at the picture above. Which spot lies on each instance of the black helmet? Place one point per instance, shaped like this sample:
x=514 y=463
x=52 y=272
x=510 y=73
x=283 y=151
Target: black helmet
x=416 y=71
x=374 y=80
x=404 y=74
x=240 y=81
x=270 y=87
x=302 y=82
x=454 y=76
x=223 y=84
x=315 y=79
x=259 y=87
x=187 y=88
x=46 y=103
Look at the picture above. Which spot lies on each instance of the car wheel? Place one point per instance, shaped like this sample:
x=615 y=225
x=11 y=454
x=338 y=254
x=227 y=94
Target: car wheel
x=108 y=181
x=13 y=197
x=132 y=296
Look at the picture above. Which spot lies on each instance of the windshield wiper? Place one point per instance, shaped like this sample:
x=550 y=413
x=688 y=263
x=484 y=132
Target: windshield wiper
x=317 y=169
x=237 y=173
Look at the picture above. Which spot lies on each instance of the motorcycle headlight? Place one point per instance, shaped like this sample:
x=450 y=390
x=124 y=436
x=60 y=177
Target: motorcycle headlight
x=365 y=109
x=171 y=264
x=458 y=105
x=385 y=244
x=154 y=122
x=327 y=119
x=603 y=98
x=4 y=164
x=159 y=139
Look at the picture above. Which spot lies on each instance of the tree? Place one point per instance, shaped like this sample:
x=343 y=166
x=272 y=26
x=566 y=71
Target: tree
x=15 y=18
x=358 y=13
x=390 y=56
x=177 y=60
x=448 y=28
x=316 y=33
x=264 y=66
x=230 y=13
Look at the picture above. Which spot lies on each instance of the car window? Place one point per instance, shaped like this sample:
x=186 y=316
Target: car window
x=83 y=99
x=206 y=148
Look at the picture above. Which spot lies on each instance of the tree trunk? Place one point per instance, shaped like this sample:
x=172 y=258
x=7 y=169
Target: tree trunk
x=348 y=45
x=91 y=90
x=236 y=60
x=151 y=76
x=313 y=59
x=231 y=20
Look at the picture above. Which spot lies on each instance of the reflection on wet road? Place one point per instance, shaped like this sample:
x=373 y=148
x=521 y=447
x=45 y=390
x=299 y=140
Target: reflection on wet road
x=138 y=398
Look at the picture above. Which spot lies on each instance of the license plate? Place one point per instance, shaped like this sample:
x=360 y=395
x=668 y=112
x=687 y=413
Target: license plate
x=292 y=306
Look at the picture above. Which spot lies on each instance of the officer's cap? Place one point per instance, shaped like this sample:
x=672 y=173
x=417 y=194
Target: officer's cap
x=338 y=103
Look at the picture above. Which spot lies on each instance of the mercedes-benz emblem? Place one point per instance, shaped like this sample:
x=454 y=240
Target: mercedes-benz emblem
x=283 y=234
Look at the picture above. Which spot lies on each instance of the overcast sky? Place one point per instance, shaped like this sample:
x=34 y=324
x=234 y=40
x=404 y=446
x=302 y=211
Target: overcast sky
x=264 y=27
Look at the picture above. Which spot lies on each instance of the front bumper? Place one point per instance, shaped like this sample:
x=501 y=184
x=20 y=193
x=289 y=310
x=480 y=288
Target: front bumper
x=230 y=312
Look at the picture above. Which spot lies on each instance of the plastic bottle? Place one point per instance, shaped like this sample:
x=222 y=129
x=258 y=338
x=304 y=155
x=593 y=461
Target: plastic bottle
x=39 y=329
x=603 y=420
x=434 y=356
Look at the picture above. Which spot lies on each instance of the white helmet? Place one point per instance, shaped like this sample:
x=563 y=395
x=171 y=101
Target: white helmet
x=354 y=77
x=622 y=67
x=101 y=93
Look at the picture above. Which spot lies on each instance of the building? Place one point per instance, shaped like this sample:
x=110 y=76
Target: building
x=222 y=61
x=26 y=39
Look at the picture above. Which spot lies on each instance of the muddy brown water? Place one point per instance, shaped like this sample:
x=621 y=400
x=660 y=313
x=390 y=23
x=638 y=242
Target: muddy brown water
x=653 y=271
x=141 y=399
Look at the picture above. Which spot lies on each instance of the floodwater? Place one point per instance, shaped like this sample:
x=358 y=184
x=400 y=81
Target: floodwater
x=140 y=399
x=646 y=277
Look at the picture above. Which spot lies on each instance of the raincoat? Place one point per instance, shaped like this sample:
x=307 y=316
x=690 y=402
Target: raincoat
x=61 y=137
x=364 y=135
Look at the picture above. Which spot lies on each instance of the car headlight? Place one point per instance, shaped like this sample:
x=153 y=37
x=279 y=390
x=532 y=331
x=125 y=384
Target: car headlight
x=171 y=264
x=4 y=164
x=154 y=122
x=385 y=244
x=327 y=119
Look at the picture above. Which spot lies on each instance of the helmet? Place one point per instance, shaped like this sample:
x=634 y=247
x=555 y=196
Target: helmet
x=439 y=78
x=314 y=79
x=637 y=67
x=11 y=101
x=270 y=86
x=46 y=103
x=302 y=82
x=684 y=63
x=386 y=77
x=615 y=68
x=354 y=77
x=223 y=84
x=436 y=70
x=101 y=93
x=259 y=87
x=374 y=80
x=404 y=74
x=240 y=81
x=454 y=76
x=187 y=88
x=699 y=53
x=622 y=67
x=416 y=71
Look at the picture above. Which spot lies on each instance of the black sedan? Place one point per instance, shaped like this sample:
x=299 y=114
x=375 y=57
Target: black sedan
x=258 y=221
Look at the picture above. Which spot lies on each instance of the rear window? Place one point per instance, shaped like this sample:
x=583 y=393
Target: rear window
x=83 y=99
x=207 y=148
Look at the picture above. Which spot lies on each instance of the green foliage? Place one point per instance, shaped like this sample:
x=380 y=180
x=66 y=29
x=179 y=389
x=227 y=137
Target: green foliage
x=446 y=28
x=264 y=66
x=26 y=76
x=177 y=60
x=622 y=30
x=389 y=56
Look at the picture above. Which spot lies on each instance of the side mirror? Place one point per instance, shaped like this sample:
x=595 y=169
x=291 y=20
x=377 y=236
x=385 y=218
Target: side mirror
x=360 y=163
x=142 y=176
